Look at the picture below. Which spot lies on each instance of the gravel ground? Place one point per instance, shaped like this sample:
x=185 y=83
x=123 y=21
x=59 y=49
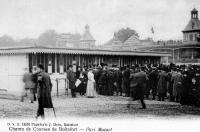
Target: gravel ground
x=114 y=107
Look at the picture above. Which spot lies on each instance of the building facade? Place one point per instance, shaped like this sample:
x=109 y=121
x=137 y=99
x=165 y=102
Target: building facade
x=186 y=51
x=69 y=49
x=69 y=40
x=55 y=60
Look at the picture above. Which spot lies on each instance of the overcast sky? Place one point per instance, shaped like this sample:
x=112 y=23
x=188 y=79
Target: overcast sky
x=29 y=18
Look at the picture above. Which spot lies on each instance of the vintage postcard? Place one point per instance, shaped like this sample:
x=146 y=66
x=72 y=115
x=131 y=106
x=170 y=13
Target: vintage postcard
x=99 y=65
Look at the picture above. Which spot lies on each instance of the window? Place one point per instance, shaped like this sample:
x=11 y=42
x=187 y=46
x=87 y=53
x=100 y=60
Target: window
x=195 y=37
x=184 y=36
x=191 y=37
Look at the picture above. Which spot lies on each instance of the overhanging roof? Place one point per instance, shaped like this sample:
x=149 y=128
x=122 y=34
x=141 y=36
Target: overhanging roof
x=18 y=50
x=193 y=25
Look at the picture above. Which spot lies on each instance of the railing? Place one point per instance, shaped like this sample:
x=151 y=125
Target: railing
x=60 y=84
x=66 y=85
x=187 y=60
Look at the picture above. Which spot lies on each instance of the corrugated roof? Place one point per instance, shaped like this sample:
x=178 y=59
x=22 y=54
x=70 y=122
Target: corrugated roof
x=19 y=50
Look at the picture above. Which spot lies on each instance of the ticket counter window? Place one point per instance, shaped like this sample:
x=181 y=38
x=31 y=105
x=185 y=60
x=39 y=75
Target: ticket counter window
x=50 y=67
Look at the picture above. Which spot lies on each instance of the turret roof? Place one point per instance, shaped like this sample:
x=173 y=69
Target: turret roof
x=87 y=35
x=194 y=23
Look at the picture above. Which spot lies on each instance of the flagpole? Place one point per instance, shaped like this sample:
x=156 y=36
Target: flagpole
x=152 y=32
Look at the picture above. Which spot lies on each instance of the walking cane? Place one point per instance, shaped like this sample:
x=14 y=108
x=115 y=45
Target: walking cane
x=54 y=112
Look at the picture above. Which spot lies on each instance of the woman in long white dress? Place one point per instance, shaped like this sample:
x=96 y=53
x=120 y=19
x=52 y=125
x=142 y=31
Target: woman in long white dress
x=91 y=91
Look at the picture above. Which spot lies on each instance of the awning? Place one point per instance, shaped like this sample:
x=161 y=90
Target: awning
x=21 y=50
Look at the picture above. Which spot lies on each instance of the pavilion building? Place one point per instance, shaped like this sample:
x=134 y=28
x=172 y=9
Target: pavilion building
x=186 y=51
x=70 y=49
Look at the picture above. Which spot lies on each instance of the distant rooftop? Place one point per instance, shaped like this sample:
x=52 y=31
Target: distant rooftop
x=87 y=35
x=194 y=23
x=132 y=40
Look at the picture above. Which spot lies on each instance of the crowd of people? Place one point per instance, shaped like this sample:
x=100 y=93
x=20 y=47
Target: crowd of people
x=156 y=82
x=177 y=83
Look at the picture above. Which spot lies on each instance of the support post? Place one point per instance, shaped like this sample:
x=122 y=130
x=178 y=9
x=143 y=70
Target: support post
x=173 y=55
x=56 y=64
x=57 y=86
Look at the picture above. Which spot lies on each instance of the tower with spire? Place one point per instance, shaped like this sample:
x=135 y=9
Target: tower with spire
x=87 y=40
x=188 y=50
x=191 y=33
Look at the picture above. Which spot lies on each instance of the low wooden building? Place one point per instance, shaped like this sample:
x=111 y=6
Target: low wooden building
x=14 y=60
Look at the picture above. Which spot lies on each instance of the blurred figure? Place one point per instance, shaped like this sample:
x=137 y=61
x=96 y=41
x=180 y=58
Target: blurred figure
x=29 y=86
x=126 y=77
x=171 y=76
x=153 y=80
x=44 y=88
x=118 y=78
x=177 y=86
x=123 y=85
x=98 y=75
x=34 y=79
x=111 y=81
x=162 y=84
x=196 y=83
x=71 y=76
x=138 y=84
x=103 y=81
x=186 y=90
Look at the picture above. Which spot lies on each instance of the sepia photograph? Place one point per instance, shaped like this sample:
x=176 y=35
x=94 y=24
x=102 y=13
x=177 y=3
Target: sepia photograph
x=99 y=65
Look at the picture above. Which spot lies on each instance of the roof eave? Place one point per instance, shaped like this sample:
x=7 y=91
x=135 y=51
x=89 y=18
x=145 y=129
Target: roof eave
x=190 y=30
x=81 y=51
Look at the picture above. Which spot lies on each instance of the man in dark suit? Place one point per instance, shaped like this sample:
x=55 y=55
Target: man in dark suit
x=44 y=87
x=153 y=75
x=126 y=77
x=97 y=77
x=138 y=84
x=118 y=79
x=71 y=76
x=103 y=80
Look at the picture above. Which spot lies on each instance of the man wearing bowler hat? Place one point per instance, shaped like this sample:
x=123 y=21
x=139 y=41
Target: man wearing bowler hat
x=44 y=87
